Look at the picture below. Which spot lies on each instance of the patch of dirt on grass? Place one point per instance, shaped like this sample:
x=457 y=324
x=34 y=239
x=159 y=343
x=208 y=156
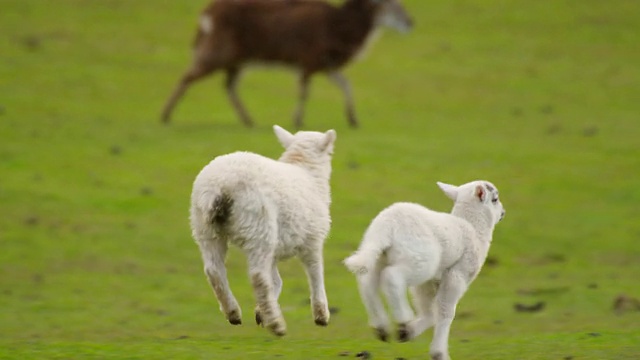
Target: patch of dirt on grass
x=623 y=303
x=537 y=307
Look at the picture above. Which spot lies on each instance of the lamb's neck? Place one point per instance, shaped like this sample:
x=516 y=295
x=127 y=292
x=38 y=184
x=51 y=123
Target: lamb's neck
x=481 y=223
x=319 y=170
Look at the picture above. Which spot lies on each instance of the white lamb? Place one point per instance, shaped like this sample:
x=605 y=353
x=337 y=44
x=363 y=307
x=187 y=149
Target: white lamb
x=272 y=210
x=436 y=255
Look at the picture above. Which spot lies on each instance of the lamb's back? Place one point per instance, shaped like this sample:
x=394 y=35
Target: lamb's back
x=244 y=169
x=265 y=193
x=419 y=231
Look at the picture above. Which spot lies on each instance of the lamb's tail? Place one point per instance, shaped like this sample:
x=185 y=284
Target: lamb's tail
x=373 y=246
x=220 y=210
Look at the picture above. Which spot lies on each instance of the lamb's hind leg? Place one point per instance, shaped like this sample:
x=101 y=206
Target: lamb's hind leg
x=369 y=286
x=423 y=301
x=260 y=266
x=213 y=254
x=277 y=286
x=394 y=287
x=313 y=263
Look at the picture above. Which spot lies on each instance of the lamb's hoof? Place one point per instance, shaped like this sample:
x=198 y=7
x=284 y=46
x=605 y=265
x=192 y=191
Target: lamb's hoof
x=439 y=356
x=321 y=314
x=278 y=328
x=234 y=317
x=382 y=334
x=259 y=319
x=404 y=334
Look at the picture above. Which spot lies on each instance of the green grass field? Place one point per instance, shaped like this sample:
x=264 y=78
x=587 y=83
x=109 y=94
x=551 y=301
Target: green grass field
x=96 y=258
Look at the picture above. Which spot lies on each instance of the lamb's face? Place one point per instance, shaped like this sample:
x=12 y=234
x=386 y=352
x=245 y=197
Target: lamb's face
x=477 y=193
x=487 y=193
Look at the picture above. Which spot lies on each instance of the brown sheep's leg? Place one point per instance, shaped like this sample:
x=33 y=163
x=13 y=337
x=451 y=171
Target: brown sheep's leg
x=231 y=84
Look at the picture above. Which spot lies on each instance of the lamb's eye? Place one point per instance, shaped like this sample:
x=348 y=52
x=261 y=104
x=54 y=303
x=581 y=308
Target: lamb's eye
x=494 y=200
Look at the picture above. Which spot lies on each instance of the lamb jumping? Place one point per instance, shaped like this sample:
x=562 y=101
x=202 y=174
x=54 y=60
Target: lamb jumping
x=436 y=255
x=272 y=210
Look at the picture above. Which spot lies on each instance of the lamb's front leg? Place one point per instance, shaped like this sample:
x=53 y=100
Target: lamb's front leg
x=213 y=253
x=313 y=263
x=260 y=265
x=452 y=287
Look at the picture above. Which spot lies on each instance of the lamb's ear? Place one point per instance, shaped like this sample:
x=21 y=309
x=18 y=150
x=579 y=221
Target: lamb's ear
x=283 y=136
x=480 y=192
x=450 y=190
x=329 y=139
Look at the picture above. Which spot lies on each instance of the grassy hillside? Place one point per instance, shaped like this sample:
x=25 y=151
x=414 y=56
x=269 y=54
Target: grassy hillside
x=96 y=258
